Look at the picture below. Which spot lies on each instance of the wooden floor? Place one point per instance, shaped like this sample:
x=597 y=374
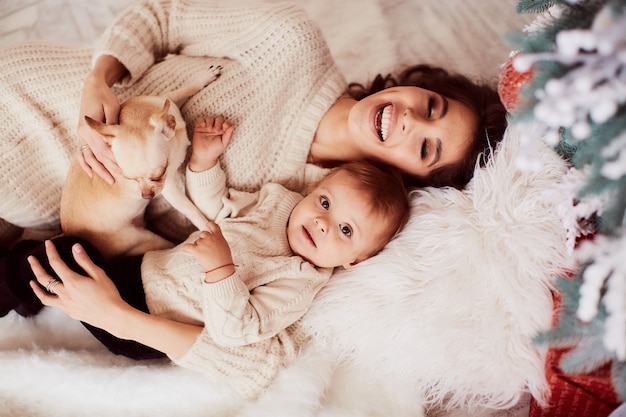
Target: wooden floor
x=74 y=21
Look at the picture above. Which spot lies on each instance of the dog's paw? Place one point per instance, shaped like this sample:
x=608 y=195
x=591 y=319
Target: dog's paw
x=211 y=75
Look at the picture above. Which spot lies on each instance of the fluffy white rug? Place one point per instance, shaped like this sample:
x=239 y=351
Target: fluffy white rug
x=444 y=315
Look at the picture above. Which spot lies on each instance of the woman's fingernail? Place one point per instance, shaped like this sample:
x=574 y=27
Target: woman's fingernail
x=77 y=248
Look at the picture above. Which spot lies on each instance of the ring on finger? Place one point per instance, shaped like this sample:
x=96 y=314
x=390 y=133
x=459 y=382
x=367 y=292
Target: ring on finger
x=52 y=285
x=83 y=148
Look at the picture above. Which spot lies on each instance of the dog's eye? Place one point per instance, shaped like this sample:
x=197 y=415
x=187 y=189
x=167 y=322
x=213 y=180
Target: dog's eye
x=158 y=176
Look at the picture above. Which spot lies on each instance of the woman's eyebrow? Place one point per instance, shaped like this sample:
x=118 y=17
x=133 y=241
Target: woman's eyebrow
x=437 y=150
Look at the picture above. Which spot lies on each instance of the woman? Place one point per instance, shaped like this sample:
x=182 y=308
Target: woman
x=279 y=86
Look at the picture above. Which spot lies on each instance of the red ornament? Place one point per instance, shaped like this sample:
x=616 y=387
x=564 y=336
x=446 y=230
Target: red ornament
x=509 y=83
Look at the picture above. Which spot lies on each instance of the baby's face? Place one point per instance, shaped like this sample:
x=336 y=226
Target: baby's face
x=333 y=225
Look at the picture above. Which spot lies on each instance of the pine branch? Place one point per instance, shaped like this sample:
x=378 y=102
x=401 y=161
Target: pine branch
x=577 y=98
x=534 y=6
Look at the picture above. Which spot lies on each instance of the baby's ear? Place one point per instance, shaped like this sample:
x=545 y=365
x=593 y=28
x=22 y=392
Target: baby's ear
x=350 y=265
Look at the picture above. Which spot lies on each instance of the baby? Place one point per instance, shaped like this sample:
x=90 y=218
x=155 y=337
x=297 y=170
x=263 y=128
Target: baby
x=227 y=300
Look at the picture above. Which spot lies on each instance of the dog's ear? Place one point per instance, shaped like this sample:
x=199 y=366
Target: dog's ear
x=164 y=121
x=106 y=131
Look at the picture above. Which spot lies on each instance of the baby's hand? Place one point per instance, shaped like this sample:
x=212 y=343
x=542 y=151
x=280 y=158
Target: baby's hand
x=211 y=136
x=212 y=252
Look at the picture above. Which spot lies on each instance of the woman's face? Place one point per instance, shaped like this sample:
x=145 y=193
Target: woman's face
x=413 y=129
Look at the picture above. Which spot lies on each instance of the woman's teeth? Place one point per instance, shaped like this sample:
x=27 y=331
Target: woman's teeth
x=384 y=122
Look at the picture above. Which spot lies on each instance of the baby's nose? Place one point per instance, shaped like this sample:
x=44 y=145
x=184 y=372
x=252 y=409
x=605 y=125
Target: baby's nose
x=320 y=225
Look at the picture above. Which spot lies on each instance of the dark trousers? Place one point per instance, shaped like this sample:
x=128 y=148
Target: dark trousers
x=124 y=272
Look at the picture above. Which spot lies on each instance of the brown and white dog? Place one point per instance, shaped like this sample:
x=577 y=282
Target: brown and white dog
x=150 y=144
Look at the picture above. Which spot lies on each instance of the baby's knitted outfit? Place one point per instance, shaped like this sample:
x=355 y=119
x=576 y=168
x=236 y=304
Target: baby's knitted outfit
x=250 y=318
x=278 y=80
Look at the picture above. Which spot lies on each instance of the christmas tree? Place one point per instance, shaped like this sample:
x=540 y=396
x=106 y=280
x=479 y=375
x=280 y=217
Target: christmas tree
x=576 y=53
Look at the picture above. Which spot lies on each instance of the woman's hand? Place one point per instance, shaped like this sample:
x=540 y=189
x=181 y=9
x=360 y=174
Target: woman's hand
x=211 y=136
x=213 y=253
x=99 y=102
x=93 y=299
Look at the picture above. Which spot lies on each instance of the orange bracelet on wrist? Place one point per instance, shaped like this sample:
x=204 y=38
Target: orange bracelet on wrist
x=219 y=267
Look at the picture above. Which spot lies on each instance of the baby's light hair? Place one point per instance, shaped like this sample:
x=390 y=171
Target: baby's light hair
x=387 y=194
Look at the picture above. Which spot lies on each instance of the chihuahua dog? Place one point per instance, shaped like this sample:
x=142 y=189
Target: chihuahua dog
x=150 y=145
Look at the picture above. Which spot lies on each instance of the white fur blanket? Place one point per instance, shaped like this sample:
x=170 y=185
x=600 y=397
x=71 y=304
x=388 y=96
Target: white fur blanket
x=444 y=315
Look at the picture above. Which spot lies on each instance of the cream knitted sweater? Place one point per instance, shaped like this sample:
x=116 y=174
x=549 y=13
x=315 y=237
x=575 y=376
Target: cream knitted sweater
x=278 y=81
x=249 y=318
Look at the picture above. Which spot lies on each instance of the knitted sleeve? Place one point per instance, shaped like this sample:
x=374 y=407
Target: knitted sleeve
x=206 y=190
x=237 y=316
x=150 y=30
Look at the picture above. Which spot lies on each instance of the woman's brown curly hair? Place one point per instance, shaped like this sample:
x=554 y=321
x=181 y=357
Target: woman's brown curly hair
x=482 y=99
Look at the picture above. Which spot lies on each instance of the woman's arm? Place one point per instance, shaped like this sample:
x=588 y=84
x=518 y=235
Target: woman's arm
x=94 y=299
x=148 y=31
x=170 y=337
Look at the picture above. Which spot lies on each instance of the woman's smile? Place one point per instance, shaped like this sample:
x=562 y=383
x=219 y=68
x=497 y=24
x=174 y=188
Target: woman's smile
x=383 y=121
